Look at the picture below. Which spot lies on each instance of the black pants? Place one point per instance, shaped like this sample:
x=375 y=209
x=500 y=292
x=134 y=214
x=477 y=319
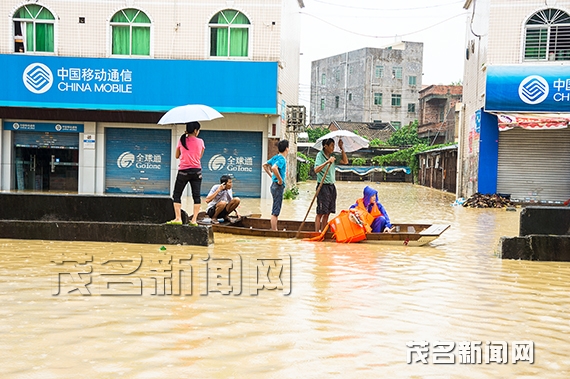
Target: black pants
x=192 y=175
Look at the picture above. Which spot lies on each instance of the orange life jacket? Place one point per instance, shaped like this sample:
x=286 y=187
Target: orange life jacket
x=367 y=217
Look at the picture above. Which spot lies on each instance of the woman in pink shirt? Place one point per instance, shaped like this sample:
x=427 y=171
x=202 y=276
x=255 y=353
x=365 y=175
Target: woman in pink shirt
x=190 y=149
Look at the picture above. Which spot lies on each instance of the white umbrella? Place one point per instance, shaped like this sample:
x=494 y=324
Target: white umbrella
x=188 y=113
x=351 y=141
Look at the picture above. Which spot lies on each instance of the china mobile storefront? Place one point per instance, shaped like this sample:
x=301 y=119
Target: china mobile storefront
x=524 y=134
x=95 y=155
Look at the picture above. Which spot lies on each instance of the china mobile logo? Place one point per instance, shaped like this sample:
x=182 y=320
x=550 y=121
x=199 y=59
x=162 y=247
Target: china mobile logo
x=533 y=89
x=37 y=78
x=126 y=160
x=217 y=162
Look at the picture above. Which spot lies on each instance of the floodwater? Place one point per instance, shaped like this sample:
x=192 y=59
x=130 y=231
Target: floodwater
x=348 y=310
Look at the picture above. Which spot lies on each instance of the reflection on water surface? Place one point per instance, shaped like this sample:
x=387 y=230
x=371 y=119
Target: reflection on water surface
x=352 y=309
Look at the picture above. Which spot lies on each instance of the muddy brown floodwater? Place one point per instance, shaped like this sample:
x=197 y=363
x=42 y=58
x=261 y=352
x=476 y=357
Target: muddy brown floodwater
x=351 y=312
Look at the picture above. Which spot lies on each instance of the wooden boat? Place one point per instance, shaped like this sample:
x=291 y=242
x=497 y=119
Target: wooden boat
x=405 y=234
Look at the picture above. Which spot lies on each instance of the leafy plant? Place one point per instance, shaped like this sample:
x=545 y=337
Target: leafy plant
x=377 y=142
x=291 y=193
x=405 y=157
x=359 y=161
x=406 y=136
x=304 y=168
x=316 y=133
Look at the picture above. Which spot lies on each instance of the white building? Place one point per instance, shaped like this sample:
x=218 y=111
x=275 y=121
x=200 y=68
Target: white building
x=85 y=82
x=515 y=138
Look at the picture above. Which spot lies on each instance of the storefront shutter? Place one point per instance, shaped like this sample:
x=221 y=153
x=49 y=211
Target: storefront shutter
x=534 y=165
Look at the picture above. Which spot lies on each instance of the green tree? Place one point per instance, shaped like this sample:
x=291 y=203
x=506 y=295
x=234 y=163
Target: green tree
x=316 y=133
x=406 y=136
x=304 y=168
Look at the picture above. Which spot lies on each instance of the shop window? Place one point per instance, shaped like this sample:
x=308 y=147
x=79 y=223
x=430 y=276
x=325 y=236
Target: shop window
x=33 y=29
x=229 y=34
x=547 y=36
x=130 y=30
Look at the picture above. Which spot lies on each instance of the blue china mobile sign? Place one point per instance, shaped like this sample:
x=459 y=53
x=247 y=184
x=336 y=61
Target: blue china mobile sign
x=137 y=84
x=26 y=126
x=523 y=88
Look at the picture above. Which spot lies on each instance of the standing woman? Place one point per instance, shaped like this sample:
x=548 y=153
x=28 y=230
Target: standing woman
x=190 y=149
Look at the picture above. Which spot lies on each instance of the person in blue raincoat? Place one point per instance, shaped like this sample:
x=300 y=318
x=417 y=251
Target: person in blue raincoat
x=372 y=211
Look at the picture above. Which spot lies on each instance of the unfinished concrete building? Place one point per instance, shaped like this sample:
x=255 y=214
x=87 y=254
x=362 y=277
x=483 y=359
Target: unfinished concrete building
x=368 y=85
x=437 y=113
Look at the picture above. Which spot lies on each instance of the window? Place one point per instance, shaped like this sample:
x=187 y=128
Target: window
x=350 y=97
x=337 y=74
x=412 y=80
x=397 y=72
x=323 y=79
x=441 y=114
x=336 y=101
x=396 y=100
x=547 y=36
x=411 y=108
x=33 y=29
x=229 y=34
x=130 y=29
x=379 y=71
x=396 y=124
x=350 y=70
x=377 y=99
x=322 y=104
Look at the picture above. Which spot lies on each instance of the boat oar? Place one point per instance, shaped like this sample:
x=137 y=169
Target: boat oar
x=312 y=201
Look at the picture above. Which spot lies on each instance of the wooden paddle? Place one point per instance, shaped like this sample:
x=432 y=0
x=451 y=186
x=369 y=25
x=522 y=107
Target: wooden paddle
x=312 y=201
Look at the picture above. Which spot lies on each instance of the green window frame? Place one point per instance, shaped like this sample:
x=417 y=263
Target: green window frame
x=34 y=29
x=411 y=108
x=396 y=124
x=322 y=104
x=130 y=31
x=412 y=79
x=396 y=100
x=547 y=36
x=336 y=101
x=397 y=72
x=229 y=34
x=379 y=71
x=323 y=79
x=377 y=98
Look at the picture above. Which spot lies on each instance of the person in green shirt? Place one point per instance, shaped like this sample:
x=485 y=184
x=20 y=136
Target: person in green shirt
x=326 y=198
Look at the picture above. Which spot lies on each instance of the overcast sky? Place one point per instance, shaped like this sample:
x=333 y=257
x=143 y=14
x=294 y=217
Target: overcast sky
x=331 y=27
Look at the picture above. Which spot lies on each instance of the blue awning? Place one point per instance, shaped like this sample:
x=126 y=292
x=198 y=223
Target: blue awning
x=365 y=170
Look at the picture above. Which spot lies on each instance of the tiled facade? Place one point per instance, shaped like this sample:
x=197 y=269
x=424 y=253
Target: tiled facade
x=495 y=36
x=179 y=31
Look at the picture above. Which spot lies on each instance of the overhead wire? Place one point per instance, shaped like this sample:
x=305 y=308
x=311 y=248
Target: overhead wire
x=387 y=9
x=387 y=36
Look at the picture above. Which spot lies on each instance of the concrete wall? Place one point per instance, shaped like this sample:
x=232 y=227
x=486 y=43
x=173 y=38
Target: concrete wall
x=351 y=77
